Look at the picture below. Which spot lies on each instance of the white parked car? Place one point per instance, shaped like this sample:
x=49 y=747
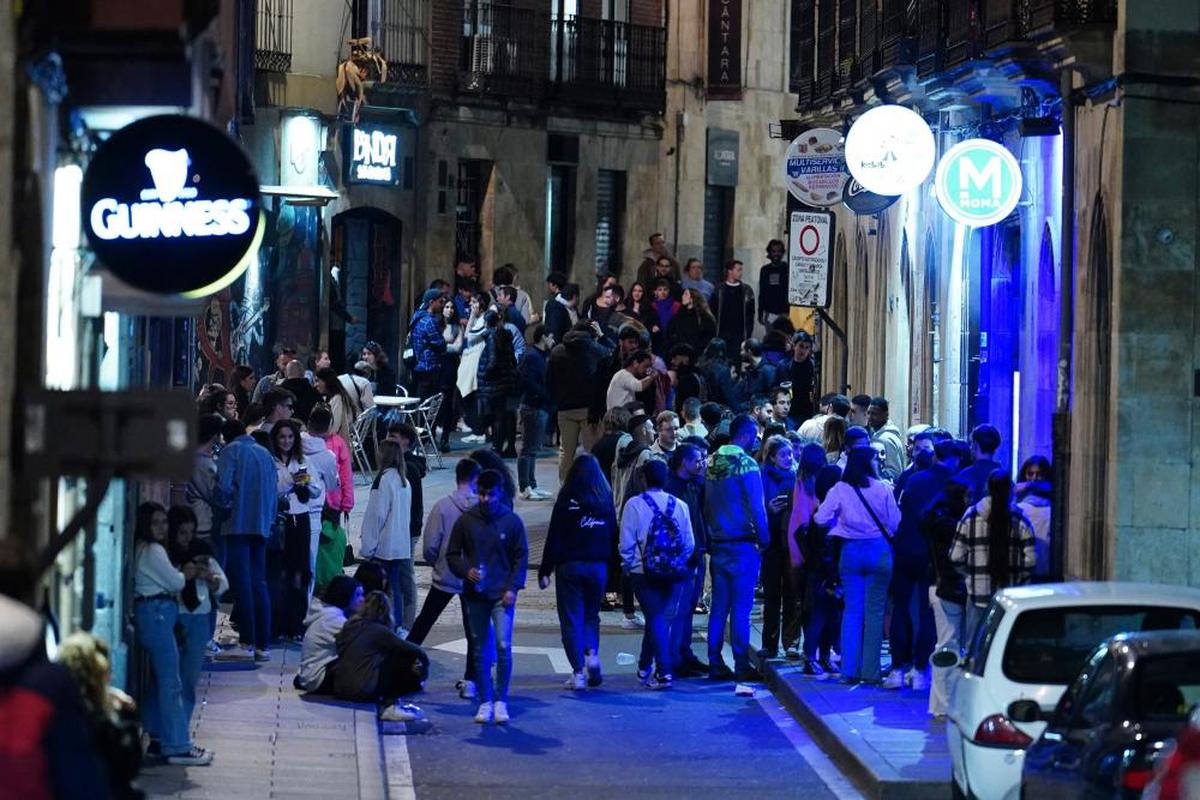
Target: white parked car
x=1029 y=646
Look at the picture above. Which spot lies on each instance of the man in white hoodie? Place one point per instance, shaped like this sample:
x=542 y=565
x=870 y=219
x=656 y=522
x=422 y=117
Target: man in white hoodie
x=326 y=617
x=445 y=585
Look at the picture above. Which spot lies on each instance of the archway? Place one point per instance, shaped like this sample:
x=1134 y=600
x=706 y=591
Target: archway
x=364 y=302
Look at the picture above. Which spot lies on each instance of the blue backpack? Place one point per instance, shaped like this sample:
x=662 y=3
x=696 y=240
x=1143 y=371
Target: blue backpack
x=664 y=554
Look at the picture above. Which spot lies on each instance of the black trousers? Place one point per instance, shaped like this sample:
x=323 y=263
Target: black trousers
x=781 y=598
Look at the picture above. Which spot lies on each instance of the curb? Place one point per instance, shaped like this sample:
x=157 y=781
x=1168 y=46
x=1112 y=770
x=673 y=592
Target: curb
x=873 y=776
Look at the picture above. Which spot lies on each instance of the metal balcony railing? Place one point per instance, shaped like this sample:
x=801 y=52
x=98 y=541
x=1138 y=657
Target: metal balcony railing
x=826 y=50
x=849 y=65
x=403 y=38
x=802 y=46
x=896 y=34
x=868 y=37
x=931 y=37
x=608 y=63
x=273 y=35
x=504 y=51
x=963 y=31
x=1063 y=14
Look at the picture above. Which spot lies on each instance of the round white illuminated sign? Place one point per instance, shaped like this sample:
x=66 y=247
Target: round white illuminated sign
x=978 y=182
x=890 y=150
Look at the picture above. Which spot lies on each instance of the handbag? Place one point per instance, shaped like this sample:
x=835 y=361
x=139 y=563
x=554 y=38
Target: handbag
x=887 y=536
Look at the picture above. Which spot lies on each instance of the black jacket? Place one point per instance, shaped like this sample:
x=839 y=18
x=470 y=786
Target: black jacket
x=534 y=392
x=691 y=328
x=733 y=307
x=558 y=320
x=939 y=524
x=692 y=494
x=361 y=647
x=306 y=396
x=572 y=370
x=494 y=539
x=576 y=534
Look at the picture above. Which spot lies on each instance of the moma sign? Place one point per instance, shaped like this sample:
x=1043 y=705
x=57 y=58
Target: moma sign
x=724 y=50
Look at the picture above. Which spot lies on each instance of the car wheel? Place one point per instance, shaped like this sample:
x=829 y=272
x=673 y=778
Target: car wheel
x=956 y=792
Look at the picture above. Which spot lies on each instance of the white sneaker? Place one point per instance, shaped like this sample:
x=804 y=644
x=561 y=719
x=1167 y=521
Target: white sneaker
x=236 y=654
x=500 y=712
x=196 y=757
x=466 y=689
x=917 y=680
x=400 y=712
x=484 y=715
x=577 y=682
x=474 y=438
x=633 y=623
x=541 y=494
x=894 y=680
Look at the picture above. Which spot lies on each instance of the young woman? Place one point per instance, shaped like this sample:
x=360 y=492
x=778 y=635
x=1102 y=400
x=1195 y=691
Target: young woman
x=833 y=438
x=220 y=401
x=326 y=618
x=373 y=663
x=385 y=377
x=582 y=528
x=155 y=611
x=498 y=382
x=474 y=411
x=298 y=488
x=344 y=408
x=386 y=526
x=779 y=589
x=861 y=512
x=814 y=566
x=1033 y=492
x=694 y=324
x=640 y=305
x=993 y=547
x=197 y=601
x=243 y=381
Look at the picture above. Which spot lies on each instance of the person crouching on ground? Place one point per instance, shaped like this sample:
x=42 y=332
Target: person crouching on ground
x=376 y=665
x=327 y=615
x=489 y=551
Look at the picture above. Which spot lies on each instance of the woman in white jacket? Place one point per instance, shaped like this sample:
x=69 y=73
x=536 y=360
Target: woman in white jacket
x=298 y=487
x=386 y=526
x=198 y=599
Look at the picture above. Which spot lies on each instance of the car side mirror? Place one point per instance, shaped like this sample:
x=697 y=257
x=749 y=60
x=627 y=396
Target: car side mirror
x=1025 y=711
x=945 y=658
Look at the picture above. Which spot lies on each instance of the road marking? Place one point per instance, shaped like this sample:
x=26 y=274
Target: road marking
x=399 y=768
x=558 y=659
x=826 y=770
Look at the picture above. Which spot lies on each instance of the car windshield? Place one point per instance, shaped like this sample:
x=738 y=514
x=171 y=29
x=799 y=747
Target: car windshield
x=1049 y=645
x=1167 y=686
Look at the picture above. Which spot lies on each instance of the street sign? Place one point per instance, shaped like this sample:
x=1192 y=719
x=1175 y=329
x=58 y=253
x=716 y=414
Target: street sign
x=890 y=150
x=809 y=258
x=814 y=167
x=136 y=434
x=171 y=205
x=978 y=182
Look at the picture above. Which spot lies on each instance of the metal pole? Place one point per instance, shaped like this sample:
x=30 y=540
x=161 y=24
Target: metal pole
x=1066 y=299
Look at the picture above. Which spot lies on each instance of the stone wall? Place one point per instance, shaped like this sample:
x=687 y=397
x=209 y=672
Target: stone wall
x=8 y=254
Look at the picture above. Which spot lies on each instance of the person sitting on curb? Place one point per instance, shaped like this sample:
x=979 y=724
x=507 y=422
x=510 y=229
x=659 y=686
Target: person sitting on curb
x=326 y=617
x=374 y=665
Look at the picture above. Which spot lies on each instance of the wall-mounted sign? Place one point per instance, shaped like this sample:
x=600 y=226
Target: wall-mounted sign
x=815 y=167
x=171 y=205
x=722 y=157
x=372 y=154
x=809 y=258
x=864 y=203
x=978 y=182
x=724 y=50
x=890 y=150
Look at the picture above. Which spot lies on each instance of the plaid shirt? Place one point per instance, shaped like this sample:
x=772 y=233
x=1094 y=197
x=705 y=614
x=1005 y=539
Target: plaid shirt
x=969 y=552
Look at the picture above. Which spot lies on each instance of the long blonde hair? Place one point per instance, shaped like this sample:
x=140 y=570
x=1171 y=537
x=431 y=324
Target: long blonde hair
x=87 y=658
x=701 y=306
x=376 y=606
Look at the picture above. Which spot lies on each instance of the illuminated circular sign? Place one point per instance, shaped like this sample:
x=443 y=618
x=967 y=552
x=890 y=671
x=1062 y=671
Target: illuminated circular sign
x=814 y=167
x=864 y=203
x=171 y=205
x=978 y=182
x=890 y=150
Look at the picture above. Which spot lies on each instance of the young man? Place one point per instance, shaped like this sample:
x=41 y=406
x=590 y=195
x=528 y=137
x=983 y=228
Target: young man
x=507 y=276
x=757 y=376
x=736 y=516
x=536 y=405
x=985 y=441
x=658 y=250
x=506 y=299
x=693 y=278
x=572 y=369
x=283 y=356
x=277 y=404
x=489 y=552
x=636 y=377
x=773 y=283
x=693 y=425
x=686 y=483
x=305 y=395
x=427 y=343
x=560 y=307
x=885 y=432
x=733 y=307
x=858 y=410
x=201 y=489
x=657 y=593
x=802 y=372
x=781 y=407
x=444 y=584
x=667 y=426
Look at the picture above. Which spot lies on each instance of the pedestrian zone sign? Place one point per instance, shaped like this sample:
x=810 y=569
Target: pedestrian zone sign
x=978 y=182
x=809 y=258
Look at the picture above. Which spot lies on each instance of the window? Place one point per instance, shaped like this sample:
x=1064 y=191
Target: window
x=1049 y=645
x=981 y=644
x=1096 y=701
x=610 y=214
x=1167 y=687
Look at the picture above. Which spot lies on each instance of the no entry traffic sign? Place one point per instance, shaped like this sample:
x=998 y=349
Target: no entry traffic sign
x=809 y=258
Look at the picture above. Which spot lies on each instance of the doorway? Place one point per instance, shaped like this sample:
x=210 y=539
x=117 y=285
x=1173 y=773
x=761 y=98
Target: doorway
x=366 y=245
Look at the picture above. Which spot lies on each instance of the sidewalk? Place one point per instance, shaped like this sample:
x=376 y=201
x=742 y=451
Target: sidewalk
x=271 y=742
x=885 y=741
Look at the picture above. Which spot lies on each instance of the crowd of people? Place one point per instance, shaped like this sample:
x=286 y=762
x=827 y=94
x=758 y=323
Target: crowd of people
x=698 y=473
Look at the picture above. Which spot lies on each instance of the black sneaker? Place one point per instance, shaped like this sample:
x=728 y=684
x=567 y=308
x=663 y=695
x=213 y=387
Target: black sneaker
x=720 y=672
x=691 y=667
x=812 y=669
x=828 y=666
x=765 y=654
x=747 y=675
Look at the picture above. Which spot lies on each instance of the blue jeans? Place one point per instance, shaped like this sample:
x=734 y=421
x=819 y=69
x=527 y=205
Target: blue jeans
x=659 y=599
x=578 y=590
x=162 y=703
x=485 y=617
x=533 y=422
x=734 y=568
x=403 y=584
x=866 y=569
x=682 y=630
x=196 y=634
x=912 y=634
x=247 y=571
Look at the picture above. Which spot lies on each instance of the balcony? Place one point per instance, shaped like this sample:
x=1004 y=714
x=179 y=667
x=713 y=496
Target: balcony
x=827 y=78
x=273 y=36
x=523 y=54
x=802 y=46
x=931 y=37
x=1067 y=14
x=849 y=64
x=897 y=41
x=868 y=37
x=608 y=63
x=403 y=38
x=963 y=32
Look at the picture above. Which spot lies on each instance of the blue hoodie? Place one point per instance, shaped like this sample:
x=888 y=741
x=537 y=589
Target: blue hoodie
x=733 y=499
